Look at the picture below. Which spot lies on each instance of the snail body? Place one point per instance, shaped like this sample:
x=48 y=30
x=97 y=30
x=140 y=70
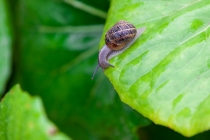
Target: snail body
x=118 y=38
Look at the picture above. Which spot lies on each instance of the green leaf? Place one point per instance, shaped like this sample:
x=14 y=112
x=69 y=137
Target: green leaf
x=57 y=60
x=23 y=118
x=5 y=45
x=165 y=74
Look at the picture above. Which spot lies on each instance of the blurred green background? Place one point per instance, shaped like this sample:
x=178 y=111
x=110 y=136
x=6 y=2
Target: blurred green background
x=50 y=48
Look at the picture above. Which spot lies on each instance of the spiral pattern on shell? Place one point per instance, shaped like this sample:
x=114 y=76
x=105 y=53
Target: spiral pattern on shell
x=119 y=35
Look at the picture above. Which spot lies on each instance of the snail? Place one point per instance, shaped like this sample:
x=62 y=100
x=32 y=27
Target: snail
x=117 y=39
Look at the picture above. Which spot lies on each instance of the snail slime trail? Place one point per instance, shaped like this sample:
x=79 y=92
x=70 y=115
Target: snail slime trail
x=117 y=39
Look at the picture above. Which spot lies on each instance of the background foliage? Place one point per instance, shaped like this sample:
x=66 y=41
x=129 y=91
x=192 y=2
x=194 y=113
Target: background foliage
x=55 y=49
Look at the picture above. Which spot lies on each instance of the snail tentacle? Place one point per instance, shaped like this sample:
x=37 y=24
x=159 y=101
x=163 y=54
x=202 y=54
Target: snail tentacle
x=95 y=71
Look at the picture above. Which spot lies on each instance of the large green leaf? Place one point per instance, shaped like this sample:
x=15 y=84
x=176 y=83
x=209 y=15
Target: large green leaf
x=57 y=60
x=165 y=74
x=23 y=118
x=5 y=45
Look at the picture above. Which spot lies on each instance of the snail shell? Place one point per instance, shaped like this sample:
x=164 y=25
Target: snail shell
x=118 y=38
x=119 y=35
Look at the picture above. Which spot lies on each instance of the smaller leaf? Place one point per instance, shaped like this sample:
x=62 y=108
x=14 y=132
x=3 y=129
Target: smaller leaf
x=23 y=118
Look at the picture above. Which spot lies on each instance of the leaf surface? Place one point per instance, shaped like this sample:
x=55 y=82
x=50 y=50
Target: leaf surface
x=165 y=74
x=23 y=118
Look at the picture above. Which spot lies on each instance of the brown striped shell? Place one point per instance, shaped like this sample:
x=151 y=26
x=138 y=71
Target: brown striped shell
x=119 y=35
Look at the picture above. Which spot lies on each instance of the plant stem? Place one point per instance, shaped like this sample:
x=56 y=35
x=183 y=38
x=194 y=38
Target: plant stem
x=87 y=8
